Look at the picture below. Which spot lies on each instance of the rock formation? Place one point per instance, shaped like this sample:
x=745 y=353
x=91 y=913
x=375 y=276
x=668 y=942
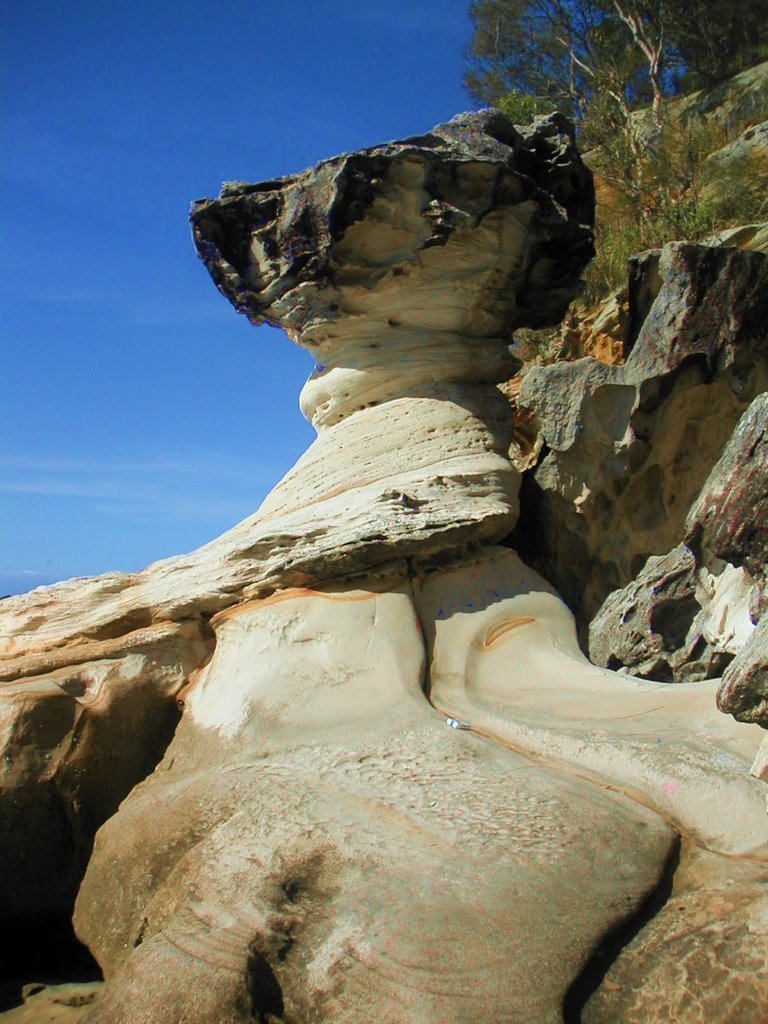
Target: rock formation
x=689 y=614
x=622 y=451
x=398 y=790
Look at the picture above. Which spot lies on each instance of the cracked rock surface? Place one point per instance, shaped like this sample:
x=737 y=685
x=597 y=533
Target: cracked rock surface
x=623 y=451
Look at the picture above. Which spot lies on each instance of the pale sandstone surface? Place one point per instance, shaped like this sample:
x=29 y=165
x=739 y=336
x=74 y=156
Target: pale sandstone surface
x=54 y=1004
x=315 y=814
x=403 y=268
x=506 y=661
x=320 y=844
x=702 y=959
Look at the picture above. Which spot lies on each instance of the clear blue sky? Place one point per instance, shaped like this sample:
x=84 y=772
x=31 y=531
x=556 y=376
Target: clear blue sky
x=140 y=416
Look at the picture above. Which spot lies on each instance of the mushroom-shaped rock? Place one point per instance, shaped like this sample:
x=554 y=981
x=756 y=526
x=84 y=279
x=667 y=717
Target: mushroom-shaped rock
x=404 y=269
x=397 y=791
x=357 y=239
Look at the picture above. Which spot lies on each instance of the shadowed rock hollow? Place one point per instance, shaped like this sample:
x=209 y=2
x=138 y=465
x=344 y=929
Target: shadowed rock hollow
x=397 y=791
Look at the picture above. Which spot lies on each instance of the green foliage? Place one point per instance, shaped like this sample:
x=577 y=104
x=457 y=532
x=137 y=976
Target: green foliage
x=560 y=51
x=680 y=193
x=521 y=107
x=567 y=51
x=597 y=60
x=600 y=61
x=715 y=40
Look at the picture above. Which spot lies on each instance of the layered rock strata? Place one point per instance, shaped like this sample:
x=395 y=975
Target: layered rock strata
x=403 y=268
x=398 y=791
x=326 y=846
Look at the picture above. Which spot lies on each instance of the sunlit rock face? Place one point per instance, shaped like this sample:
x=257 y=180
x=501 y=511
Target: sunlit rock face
x=398 y=791
x=416 y=801
x=403 y=269
x=360 y=236
x=319 y=843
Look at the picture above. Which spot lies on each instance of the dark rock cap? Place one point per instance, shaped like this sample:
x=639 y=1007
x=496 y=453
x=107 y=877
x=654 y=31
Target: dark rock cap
x=260 y=242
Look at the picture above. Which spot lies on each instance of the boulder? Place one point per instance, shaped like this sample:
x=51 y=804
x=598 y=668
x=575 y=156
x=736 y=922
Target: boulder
x=675 y=621
x=748 y=148
x=730 y=522
x=688 y=613
x=646 y=627
x=729 y=519
x=712 y=305
x=744 y=690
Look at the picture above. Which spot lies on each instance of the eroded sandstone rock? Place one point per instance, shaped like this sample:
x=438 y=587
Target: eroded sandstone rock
x=624 y=449
x=744 y=690
x=687 y=614
x=646 y=627
x=745 y=236
x=702 y=958
x=729 y=520
x=676 y=621
x=398 y=790
x=325 y=844
x=75 y=738
x=427 y=253
x=327 y=847
x=403 y=269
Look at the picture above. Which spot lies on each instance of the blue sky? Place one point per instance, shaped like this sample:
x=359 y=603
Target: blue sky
x=140 y=416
